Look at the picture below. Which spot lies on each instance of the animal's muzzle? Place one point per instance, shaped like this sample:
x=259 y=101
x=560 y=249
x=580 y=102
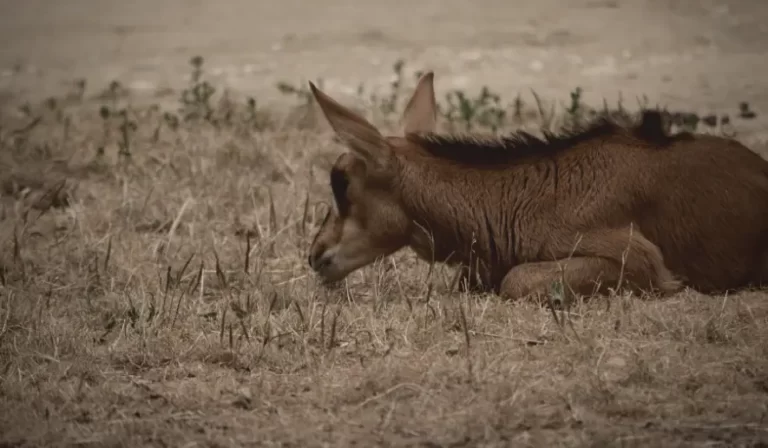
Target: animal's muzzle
x=318 y=262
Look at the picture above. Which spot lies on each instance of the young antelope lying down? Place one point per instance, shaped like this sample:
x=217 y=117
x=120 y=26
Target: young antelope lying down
x=606 y=207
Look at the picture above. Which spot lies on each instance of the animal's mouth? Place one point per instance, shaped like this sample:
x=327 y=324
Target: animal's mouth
x=329 y=276
x=329 y=281
x=332 y=268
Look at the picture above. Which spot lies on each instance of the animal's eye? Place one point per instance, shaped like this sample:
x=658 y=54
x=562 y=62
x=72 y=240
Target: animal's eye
x=339 y=185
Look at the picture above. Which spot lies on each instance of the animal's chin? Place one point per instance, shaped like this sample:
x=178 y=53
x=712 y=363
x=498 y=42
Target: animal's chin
x=331 y=278
x=331 y=283
x=336 y=272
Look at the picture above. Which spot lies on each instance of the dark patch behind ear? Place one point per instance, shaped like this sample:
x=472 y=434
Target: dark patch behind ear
x=651 y=127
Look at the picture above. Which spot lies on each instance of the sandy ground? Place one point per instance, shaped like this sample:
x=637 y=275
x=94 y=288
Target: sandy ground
x=100 y=346
x=706 y=55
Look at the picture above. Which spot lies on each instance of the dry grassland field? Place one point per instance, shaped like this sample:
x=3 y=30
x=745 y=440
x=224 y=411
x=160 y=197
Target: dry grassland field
x=155 y=218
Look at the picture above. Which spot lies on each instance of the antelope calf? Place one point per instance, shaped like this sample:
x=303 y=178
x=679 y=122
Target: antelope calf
x=608 y=206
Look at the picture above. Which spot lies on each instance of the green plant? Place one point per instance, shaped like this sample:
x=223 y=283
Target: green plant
x=575 y=109
x=485 y=110
x=127 y=128
x=301 y=91
x=388 y=105
x=196 y=99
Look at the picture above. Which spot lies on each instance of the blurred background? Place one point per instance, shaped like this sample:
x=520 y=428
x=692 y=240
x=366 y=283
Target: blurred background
x=701 y=55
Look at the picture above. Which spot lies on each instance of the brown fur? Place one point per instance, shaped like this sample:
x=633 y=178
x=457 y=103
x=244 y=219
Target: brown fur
x=603 y=207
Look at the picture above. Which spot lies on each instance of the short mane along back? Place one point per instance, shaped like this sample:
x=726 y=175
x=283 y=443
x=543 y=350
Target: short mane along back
x=473 y=150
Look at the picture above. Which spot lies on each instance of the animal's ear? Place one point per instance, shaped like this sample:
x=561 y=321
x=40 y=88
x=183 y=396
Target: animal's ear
x=420 y=114
x=354 y=130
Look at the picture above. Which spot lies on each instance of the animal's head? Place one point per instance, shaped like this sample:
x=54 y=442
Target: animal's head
x=367 y=221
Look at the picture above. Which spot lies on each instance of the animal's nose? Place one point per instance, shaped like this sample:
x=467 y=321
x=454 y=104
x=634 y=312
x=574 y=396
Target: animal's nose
x=318 y=260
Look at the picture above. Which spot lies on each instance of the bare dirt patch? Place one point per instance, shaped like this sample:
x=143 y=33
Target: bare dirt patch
x=153 y=281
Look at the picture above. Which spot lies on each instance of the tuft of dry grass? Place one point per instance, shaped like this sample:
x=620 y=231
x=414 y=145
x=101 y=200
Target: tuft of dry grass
x=154 y=292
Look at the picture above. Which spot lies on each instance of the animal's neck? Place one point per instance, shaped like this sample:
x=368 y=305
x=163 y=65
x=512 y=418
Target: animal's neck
x=456 y=214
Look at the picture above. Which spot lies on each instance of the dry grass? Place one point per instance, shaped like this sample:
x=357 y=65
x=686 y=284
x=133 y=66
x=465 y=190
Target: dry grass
x=162 y=298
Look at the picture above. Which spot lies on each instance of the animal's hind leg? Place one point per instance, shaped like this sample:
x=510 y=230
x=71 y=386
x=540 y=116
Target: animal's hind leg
x=600 y=260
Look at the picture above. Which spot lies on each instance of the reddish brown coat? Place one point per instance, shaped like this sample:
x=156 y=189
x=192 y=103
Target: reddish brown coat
x=604 y=207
